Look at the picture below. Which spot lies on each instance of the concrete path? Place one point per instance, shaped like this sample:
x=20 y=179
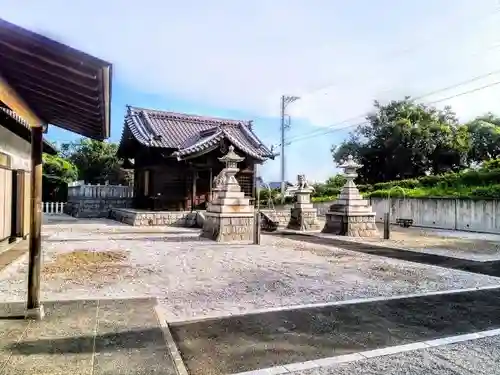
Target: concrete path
x=281 y=338
x=99 y=337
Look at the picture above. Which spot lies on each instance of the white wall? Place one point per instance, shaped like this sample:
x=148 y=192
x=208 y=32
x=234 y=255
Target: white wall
x=17 y=148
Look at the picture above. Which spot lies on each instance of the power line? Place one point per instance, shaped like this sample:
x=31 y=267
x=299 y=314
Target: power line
x=470 y=80
x=334 y=129
x=402 y=52
x=396 y=54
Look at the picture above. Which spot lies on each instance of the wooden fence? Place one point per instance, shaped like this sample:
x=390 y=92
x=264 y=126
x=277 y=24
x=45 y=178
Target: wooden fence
x=53 y=208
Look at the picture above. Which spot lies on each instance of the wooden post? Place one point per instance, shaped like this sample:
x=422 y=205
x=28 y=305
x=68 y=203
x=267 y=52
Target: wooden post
x=387 y=226
x=210 y=178
x=34 y=308
x=256 y=189
x=193 y=191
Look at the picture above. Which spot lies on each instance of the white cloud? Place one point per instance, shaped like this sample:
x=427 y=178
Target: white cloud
x=244 y=55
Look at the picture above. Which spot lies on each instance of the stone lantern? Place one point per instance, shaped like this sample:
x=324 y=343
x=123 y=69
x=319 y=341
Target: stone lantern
x=229 y=216
x=350 y=214
x=303 y=215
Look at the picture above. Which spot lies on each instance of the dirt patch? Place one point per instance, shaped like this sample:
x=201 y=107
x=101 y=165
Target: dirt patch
x=84 y=265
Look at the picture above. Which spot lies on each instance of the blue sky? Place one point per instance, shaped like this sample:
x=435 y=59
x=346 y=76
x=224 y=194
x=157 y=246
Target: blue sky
x=234 y=59
x=267 y=128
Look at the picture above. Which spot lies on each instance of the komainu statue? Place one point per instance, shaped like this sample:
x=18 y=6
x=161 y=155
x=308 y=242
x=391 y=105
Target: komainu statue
x=220 y=179
x=302 y=182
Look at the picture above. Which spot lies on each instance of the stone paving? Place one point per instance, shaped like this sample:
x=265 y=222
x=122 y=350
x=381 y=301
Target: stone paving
x=84 y=337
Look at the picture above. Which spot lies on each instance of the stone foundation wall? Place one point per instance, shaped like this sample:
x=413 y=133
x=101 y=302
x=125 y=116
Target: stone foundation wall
x=281 y=214
x=334 y=224
x=160 y=218
x=362 y=226
x=95 y=207
x=352 y=226
x=228 y=229
x=303 y=220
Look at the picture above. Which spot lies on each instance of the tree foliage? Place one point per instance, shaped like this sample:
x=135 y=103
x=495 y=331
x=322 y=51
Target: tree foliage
x=58 y=168
x=97 y=161
x=485 y=138
x=405 y=140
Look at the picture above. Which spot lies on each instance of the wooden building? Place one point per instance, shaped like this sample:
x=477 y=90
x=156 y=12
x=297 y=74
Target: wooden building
x=42 y=83
x=15 y=167
x=175 y=156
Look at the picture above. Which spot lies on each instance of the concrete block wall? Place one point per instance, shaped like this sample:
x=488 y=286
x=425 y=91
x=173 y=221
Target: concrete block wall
x=443 y=213
x=440 y=213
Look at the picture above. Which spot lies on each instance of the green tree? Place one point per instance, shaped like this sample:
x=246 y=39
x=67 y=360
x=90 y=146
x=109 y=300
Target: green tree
x=403 y=139
x=97 y=161
x=484 y=133
x=59 y=168
x=336 y=181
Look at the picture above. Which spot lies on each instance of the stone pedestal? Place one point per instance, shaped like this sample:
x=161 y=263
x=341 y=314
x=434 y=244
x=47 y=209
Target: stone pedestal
x=229 y=216
x=303 y=216
x=351 y=215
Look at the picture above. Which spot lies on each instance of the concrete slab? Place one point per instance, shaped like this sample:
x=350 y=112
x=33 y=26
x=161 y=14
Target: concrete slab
x=9 y=254
x=247 y=343
x=130 y=341
x=82 y=337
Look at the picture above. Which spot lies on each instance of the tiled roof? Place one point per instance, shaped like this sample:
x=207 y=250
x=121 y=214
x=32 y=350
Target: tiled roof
x=189 y=134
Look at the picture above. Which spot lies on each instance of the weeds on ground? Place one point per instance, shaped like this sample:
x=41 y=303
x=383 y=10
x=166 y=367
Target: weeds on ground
x=82 y=265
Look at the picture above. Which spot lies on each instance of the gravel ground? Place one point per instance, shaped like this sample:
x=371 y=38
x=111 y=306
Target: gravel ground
x=457 y=244
x=476 y=357
x=194 y=277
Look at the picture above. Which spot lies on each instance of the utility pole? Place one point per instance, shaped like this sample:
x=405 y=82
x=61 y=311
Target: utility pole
x=282 y=128
x=285 y=100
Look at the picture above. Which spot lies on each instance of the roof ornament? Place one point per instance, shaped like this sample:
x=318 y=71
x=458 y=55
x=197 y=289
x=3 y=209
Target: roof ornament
x=223 y=146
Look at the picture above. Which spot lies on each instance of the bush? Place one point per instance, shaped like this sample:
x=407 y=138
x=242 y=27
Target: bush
x=324 y=190
x=324 y=199
x=481 y=183
x=492 y=191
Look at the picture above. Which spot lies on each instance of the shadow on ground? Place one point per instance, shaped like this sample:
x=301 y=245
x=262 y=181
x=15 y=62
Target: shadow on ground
x=244 y=343
x=93 y=336
x=109 y=342
x=158 y=238
x=486 y=268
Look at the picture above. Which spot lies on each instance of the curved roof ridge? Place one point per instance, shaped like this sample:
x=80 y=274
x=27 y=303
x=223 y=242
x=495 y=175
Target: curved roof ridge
x=187 y=116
